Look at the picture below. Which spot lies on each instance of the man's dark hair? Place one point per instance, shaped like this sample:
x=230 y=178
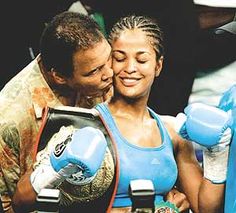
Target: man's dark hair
x=67 y=33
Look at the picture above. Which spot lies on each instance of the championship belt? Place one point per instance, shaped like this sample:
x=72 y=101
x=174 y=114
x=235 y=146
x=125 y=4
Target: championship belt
x=166 y=207
x=142 y=193
x=92 y=197
x=162 y=207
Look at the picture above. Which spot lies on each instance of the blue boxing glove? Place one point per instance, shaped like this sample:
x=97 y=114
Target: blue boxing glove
x=75 y=159
x=209 y=127
x=205 y=125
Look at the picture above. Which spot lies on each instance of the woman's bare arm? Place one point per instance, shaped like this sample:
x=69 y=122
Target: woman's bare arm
x=204 y=196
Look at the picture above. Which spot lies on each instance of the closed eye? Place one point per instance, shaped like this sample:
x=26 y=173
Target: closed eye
x=94 y=71
x=142 y=61
x=119 y=59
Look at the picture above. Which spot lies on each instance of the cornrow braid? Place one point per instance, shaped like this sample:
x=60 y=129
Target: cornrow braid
x=146 y=24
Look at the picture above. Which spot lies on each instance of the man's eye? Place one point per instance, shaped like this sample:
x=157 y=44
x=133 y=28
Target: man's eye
x=92 y=72
x=98 y=69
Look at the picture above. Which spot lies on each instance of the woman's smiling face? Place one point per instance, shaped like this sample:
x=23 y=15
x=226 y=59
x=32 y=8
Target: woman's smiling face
x=134 y=63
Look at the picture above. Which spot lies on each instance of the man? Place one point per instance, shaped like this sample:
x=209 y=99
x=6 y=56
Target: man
x=73 y=68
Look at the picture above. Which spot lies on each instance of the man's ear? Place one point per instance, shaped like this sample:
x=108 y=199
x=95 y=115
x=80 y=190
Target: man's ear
x=57 y=77
x=159 y=66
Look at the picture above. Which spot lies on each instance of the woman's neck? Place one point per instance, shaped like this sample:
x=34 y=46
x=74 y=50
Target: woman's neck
x=128 y=108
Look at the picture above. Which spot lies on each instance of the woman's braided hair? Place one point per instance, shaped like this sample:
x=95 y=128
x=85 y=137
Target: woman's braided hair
x=148 y=25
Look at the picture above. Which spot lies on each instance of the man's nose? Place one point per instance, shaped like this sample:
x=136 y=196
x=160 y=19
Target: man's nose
x=108 y=72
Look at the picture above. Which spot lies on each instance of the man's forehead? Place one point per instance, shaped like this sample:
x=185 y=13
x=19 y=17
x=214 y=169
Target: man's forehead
x=93 y=57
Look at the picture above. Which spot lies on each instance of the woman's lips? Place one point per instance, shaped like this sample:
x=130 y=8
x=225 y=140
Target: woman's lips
x=129 y=81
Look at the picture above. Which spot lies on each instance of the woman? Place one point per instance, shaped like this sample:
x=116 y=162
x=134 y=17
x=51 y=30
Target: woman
x=148 y=148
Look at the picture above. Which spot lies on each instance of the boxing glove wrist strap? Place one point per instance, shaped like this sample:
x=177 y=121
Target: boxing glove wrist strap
x=215 y=165
x=44 y=176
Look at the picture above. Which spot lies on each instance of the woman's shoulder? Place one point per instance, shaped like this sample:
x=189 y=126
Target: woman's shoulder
x=170 y=124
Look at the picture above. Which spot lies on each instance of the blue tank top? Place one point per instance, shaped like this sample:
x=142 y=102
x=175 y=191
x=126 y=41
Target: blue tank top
x=156 y=164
